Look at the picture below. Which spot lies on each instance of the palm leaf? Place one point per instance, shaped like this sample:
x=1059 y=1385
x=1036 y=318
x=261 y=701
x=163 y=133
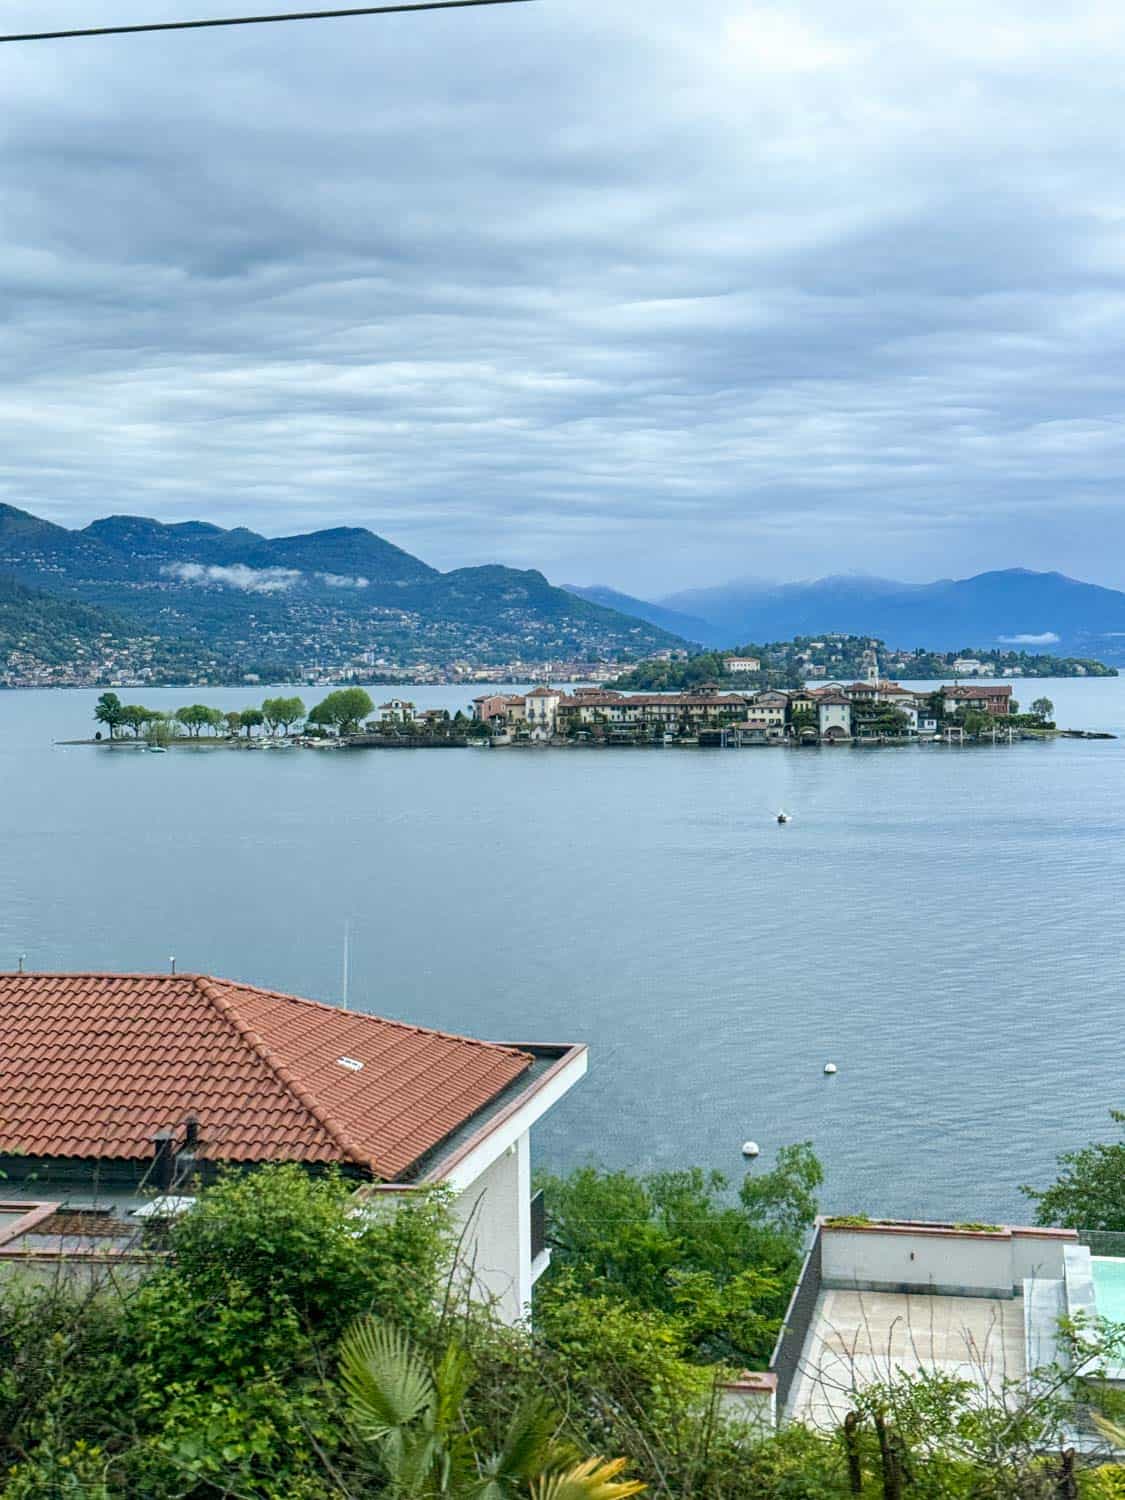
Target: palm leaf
x=452 y=1378
x=386 y=1382
x=593 y=1479
x=527 y=1450
x=1111 y=1431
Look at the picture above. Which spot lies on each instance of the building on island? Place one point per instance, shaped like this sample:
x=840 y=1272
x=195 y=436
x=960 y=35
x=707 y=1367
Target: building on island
x=396 y=711
x=981 y=699
x=499 y=709
x=541 y=712
x=834 y=716
x=873 y=708
x=120 y=1089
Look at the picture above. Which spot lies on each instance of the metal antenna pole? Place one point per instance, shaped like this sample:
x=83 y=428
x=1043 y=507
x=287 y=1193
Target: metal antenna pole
x=347 y=937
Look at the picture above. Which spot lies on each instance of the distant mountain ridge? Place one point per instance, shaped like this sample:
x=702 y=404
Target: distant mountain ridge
x=691 y=627
x=317 y=599
x=1004 y=607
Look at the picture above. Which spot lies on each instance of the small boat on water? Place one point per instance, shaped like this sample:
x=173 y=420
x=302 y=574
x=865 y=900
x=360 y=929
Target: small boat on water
x=783 y=817
x=157 y=750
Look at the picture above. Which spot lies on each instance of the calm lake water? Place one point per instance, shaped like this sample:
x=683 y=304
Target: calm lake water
x=945 y=925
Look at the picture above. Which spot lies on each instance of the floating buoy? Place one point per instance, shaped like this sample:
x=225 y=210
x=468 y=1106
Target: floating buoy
x=830 y=1067
x=751 y=1148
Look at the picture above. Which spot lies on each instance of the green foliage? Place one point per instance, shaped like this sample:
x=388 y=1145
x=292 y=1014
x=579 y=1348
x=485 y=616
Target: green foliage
x=109 y=711
x=162 y=729
x=416 y=1418
x=212 y=1376
x=136 y=717
x=675 y=1243
x=251 y=718
x=343 y=710
x=1043 y=708
x=1089 y=1192
x=196 y=717
x=282 y=1236
x=234 y=1367
x=282 y=713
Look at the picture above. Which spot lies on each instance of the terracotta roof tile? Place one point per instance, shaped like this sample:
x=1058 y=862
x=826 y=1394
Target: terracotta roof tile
x=92 y=1065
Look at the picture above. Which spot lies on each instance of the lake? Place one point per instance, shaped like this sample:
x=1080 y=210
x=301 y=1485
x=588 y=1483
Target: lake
x=944 y=924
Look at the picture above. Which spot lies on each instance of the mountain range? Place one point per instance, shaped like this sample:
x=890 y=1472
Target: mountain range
x=272 y=604
x=323 y=599
x=1009 y=607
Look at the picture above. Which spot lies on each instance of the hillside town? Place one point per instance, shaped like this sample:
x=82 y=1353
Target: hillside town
x=873 y=709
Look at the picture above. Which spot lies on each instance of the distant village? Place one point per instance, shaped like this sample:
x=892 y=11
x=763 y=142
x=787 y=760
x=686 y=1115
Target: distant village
x=872 y=709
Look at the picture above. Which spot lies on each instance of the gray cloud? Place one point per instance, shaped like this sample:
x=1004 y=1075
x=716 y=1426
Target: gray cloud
x=779 y=289
x=237 y=576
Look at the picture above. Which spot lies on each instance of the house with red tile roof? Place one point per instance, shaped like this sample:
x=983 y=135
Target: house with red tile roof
x=121 y=1086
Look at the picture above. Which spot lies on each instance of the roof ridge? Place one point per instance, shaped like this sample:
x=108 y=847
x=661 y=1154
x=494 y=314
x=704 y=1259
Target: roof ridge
x=212 y=990
x=367 y=1015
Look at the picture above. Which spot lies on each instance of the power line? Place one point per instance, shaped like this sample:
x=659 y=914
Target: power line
x=297 y=15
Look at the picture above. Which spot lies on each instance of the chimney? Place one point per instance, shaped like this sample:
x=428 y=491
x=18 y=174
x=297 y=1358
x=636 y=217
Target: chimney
x=191 y=1133
x=163 y=1164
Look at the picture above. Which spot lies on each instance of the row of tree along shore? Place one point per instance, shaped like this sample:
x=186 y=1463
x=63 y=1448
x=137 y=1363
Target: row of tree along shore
x=343 y=715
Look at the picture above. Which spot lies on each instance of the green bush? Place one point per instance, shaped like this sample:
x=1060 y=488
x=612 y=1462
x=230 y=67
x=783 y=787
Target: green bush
x=679 y=1244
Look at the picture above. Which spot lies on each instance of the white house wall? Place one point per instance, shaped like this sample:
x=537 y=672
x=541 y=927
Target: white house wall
x=493 y=1220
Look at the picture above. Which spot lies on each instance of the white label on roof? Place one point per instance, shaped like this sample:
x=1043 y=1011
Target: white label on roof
x=350 y=1063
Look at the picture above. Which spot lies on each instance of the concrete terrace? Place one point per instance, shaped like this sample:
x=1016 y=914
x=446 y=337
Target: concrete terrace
x=860 y=1338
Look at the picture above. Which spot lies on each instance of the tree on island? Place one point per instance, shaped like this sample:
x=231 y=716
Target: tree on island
x=197 y=716
x=1043 y=708
x=162 y=729
x=343 y=710
x=233 y=721
x=251 y=718
x=137 y=718
x=281 y=713
x=108 y=711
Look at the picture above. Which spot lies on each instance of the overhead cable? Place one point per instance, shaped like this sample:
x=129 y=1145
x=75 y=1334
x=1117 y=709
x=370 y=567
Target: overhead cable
x=297 y=15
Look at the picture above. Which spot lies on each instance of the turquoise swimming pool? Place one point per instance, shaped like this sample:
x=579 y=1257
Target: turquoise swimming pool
x=1109 y=1287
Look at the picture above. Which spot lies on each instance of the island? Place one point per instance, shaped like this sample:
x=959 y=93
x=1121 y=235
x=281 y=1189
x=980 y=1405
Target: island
x=870 y=710
x=789 y=664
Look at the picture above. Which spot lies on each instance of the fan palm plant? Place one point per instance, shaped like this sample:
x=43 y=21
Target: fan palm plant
x=413 y=1415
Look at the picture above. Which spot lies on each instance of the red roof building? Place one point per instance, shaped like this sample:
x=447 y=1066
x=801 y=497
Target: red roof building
x=128 y=1084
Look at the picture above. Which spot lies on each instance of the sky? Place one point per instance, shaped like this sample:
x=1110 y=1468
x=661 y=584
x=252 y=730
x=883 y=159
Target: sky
x=652 y=296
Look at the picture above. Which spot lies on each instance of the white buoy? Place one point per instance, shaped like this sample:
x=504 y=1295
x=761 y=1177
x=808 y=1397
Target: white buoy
x=830 y=1067
x=751 y=1148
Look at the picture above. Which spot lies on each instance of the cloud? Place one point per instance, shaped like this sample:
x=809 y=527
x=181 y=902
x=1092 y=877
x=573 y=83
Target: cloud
x=237 y=576
x=745 y=288
x=1047 y=638
x=342 y=581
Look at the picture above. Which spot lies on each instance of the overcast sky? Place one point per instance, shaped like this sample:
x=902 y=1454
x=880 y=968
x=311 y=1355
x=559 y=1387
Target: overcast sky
x=651 y=295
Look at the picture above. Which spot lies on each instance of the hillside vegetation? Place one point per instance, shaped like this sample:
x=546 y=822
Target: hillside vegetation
x=275 y=605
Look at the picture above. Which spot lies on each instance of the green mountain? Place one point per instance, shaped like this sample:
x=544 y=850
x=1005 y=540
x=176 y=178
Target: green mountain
x=48 y=639
x=276 y=604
